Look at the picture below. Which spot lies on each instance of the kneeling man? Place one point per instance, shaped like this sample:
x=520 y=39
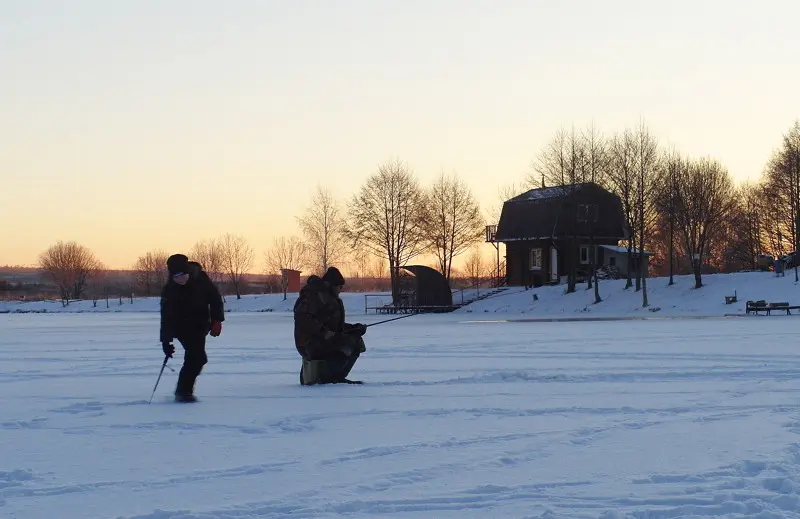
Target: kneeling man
x=329 y=346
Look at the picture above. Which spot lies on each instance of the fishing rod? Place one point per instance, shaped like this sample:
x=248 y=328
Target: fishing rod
x=393 y=319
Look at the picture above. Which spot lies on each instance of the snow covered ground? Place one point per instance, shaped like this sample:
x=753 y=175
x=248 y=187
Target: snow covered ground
x=664 y=300
x=672 y=418
x=354 y=302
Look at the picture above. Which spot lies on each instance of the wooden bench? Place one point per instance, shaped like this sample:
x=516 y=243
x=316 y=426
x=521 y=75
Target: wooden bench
x=763 y=306
x=755 y=306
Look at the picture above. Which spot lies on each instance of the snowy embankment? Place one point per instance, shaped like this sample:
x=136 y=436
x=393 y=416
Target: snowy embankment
x=551 y=301
x=354 y=304
x=680 y=299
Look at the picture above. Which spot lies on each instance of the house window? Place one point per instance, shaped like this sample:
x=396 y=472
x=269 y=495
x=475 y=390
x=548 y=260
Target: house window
x=587 y=212
x=586 y=255
x=536 y=259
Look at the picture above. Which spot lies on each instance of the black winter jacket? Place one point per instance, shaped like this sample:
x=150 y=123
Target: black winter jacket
x=316 y=311
x=187 y=310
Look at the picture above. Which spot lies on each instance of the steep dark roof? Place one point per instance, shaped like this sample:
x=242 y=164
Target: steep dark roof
x=550 y=212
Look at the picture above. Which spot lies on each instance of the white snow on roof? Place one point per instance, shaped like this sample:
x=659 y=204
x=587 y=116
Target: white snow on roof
x=546 y=192
x=623 y=250
x=542 y=193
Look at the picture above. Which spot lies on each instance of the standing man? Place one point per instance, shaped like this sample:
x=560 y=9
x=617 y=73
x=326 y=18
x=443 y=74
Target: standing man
x=191 y=308
x=329 y=346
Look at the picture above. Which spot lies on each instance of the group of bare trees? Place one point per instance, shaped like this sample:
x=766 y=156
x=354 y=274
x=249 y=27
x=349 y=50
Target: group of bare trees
x=78 y=273
x=698 y=198
x=686 y=210
x=667 y=198
x=227 y=258
x=150 y=272
x=770 y=208
x=392 y=218
x=715 y=225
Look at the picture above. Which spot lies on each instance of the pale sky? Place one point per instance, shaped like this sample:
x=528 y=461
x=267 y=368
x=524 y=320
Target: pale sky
x=134 y=125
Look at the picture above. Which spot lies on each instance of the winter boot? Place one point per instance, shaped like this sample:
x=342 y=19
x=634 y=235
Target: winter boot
x=184 y=390
x=348 y=381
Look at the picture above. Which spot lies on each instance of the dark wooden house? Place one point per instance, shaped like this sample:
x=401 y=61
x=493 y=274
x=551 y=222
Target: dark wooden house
x=546 y=229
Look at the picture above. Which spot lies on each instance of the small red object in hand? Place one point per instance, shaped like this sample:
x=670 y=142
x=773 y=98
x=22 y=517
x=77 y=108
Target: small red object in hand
x=216 y=328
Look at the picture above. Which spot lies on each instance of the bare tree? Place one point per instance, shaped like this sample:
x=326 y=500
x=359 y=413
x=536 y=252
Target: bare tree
x=387 y=217
x=622 y=179
x=285 y=253
x=777 y=229
x=474 y=267
x=647 y=161
x=665 y=199
x=595 y=170
x=209 y=254
x=783 y=178
x=706 y=197
x=365 y=264
x=736 y=243
x=749 y=224
x=323 y=226
x=98 y=284
x=150 y=272
x=237 y=259
x=70 y=265
x=504 y=192
x=561 y=162
x=378 y=268
x=454 y=221
x=361 y=264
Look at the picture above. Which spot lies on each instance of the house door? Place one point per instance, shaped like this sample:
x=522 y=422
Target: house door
x=553 y=264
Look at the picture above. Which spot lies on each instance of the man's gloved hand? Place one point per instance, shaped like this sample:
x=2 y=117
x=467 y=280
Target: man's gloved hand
x=356 y=329
x=216 y=328
x=168 y=348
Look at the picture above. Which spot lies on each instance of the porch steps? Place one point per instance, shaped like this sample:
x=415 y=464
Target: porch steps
x=481 y=297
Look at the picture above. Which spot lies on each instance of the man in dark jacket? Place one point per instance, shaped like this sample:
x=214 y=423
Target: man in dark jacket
x=329 y=346
x=191 y=308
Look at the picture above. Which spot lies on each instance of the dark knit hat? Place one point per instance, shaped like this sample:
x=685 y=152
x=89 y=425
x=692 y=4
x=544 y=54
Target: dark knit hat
x=333 y=277
x=177 y=264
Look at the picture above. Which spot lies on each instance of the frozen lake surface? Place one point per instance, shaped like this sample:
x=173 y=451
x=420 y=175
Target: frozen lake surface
x=616 y=419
